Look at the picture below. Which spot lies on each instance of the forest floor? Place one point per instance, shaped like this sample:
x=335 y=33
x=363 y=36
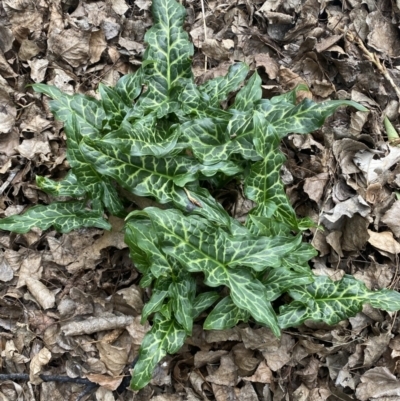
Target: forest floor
x=344 y=176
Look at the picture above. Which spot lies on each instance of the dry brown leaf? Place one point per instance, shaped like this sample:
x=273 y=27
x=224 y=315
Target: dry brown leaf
x=71 y=45
x=103 y=394
x=226 y=374
x=137 y=330
x=8 y=111
x=28 y=50
x=392 y=218
x=263 y=374
x=41 y=359
x=10 y=353
x=38 y=69
x=384 y=241
x=277 y=359
x=259 y=339
x=41 y=293
x=302 y=393
x=378 y=382
x=314 y=186
x=203 y=358
x=247 y=393
x=383 y=35
x=108 y=382
x=97 y=44
x=218 y=50
x=6 y=39
x=32 y=147
x=95 y=324
x=333 y=219
x=31 y=267
x=6 y=272
x=376 y=170
x=375 y=347
x=115 y=358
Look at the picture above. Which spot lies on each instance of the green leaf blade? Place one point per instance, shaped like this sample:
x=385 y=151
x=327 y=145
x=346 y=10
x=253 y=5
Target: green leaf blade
x=164 y=337
x=63 y=216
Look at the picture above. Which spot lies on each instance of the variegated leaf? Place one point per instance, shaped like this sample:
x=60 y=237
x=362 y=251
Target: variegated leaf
x=63 y=216
x=69 y=186
x=167 y=55
x=225 y=315
x=332 y=301
x=88 y=111
x=166 y=336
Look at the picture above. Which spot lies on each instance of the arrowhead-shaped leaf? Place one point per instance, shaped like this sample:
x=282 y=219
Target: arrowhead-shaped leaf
x=63 y=216
x=303 y=118
x=167 y=55
x=166 y=336
x=88 y=111
x=332 y=301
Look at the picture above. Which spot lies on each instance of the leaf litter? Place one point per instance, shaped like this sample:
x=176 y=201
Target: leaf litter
x=70 y=304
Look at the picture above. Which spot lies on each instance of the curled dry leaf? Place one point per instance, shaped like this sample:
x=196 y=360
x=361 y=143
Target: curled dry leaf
x=96 y=324
x=41 y=359
x=41 y=293
x=6 y=272
x=11 y=354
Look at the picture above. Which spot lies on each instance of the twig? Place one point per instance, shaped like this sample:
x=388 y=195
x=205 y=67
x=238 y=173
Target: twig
x=374 y=59
x=45 y=378
x=205 y=30
x=89 y=386
x=87 y=390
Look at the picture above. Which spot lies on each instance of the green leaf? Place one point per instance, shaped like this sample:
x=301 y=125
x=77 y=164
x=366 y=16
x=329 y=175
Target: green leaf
x=332 y=301
x=303 y=118
x=144 y=137
x=182 y=291
x=167 y=56
x=114 y=106
x=142 y=241
x=202 y=247
x=249 y=94
x=154 y=304
x=203 y=301
x=87 y=110
x=96 y=186
x=69 y=186
x=280 y=280
x=213 y=140
x=129 y=87
x=217 y=89
x=165 y=336
x=143 y=176
x=225 y=315
x=263 y=184
x=63 y=216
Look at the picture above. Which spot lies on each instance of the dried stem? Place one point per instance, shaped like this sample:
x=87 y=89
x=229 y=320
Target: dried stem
x=205 y=31
x=352 y=37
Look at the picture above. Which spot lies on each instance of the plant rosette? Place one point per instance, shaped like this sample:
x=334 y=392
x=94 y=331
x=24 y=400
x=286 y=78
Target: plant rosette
x=159 y=135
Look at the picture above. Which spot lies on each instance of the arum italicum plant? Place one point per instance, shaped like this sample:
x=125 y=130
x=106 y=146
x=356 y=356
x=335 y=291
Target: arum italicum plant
x=159 y=135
